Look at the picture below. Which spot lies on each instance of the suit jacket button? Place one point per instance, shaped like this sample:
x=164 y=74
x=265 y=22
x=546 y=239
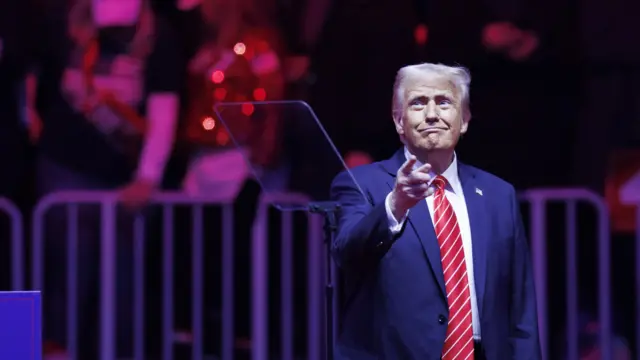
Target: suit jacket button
x=380 y=244
x=442 y=319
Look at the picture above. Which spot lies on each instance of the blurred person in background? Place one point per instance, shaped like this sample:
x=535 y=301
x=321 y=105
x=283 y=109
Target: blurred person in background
x=107 y=96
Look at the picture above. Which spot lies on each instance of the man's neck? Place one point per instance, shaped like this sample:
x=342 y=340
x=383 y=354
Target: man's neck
x=439 y=160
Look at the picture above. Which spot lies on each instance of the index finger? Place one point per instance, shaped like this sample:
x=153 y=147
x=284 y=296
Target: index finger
x=407 y=167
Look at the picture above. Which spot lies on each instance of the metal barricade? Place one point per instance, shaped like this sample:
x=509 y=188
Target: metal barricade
x=260 y=336
x=538 y=199
x=107 y=202
x=637 y=278
x=17 y=244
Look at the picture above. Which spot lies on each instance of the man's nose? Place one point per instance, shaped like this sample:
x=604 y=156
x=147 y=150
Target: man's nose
x=431 y=114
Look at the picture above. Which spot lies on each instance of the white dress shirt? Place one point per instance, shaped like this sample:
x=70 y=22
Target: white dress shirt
x=454 y=194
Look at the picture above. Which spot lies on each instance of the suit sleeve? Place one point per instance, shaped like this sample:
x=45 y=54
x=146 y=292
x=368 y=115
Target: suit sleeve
x=363 y=228
x=523 y=334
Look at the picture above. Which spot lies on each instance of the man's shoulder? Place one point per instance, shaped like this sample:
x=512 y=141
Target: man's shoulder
x=369 y=169
x=362 y=174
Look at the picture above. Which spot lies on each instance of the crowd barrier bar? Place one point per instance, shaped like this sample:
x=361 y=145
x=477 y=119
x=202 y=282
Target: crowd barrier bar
x=17 y=245
x=637 y=277
x=108 y=202
x=538 y=199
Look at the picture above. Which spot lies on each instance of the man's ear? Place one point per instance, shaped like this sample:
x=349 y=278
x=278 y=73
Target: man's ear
x=465 y=122
x=398 y=122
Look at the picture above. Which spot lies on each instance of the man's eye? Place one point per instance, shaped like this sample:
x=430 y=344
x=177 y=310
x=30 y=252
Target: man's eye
x=444 y=102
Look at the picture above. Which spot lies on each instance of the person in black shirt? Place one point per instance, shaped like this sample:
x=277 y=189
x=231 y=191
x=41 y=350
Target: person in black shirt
x=109 y=102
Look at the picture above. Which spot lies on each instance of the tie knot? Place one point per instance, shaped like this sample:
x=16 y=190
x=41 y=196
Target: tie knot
x=440 y=182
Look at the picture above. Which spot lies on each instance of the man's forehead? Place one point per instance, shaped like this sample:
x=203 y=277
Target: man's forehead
x=428 y=83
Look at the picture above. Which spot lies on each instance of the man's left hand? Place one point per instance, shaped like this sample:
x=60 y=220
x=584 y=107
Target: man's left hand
x=137 y=194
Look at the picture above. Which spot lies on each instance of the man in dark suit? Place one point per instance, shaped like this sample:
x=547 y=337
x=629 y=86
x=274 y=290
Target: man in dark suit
x=433 y=251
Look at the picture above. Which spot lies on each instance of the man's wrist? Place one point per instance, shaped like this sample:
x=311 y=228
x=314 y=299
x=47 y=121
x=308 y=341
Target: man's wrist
x=397 y=210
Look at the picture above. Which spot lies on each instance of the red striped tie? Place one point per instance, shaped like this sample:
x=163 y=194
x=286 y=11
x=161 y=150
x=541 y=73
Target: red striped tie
x=458 y=344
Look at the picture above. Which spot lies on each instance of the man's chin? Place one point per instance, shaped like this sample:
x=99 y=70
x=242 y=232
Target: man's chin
x=436 y=146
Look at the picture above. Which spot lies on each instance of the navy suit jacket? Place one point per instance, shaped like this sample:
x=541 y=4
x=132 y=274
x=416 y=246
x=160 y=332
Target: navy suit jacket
x=396 y=306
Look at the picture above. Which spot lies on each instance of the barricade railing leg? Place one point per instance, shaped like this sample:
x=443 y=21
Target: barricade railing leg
x=604 y=279
x=637 y=278
x=17 y=243
x=139 y=287
x=539 y=255
x=259 y=289
x=37 y=251
x=72 y=280
x=315 y=288
x=108 y=248
x=336 y=302
x=197 y=283
x=572 y=281
x=227 y=282
x=286 y=286
x=167 y=286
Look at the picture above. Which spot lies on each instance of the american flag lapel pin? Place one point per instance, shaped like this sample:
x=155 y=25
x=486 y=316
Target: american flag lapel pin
x=478 y=191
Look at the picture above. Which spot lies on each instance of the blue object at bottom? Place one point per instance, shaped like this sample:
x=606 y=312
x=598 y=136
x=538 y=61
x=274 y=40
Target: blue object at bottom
x=20 y=325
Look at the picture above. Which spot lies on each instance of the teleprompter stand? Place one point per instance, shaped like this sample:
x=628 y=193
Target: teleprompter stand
x=329 y=210
x=288 y=151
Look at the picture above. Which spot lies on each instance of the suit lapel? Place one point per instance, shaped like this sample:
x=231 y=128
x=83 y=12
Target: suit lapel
x=420 y=220
x=479 y=224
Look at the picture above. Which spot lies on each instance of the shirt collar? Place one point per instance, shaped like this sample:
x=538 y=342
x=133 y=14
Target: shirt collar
x=451 y=173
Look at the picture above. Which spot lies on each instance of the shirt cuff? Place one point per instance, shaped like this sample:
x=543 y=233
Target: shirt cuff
x=394 y=225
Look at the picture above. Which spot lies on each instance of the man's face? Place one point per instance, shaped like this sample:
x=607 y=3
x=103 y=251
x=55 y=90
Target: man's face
x=432 y=116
